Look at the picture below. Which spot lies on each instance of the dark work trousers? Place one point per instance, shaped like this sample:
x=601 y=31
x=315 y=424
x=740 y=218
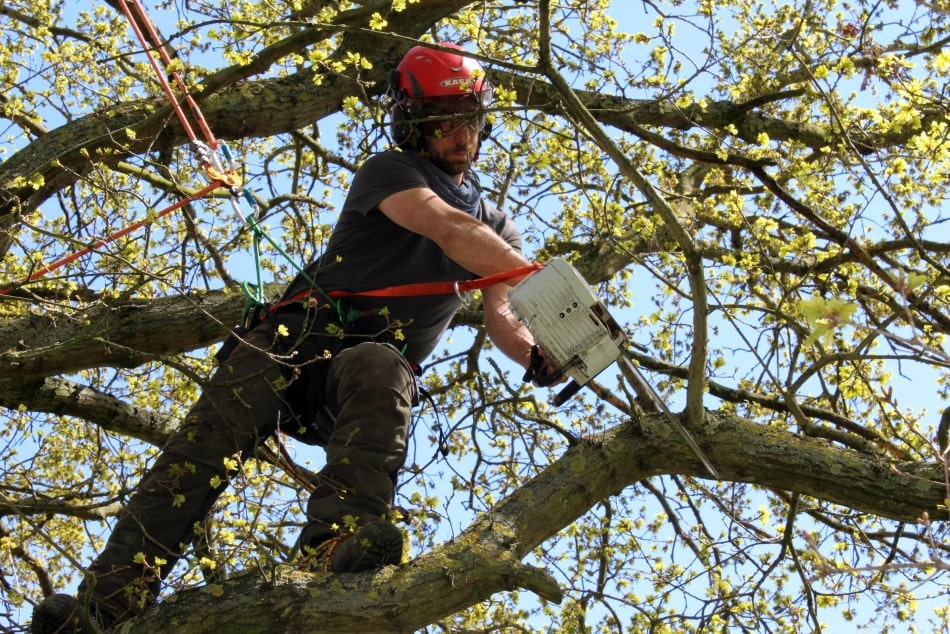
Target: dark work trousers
x=369 y=392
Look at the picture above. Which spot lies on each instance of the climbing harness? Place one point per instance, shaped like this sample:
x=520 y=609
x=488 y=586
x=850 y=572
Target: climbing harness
x=442 y=288
x=421 y=289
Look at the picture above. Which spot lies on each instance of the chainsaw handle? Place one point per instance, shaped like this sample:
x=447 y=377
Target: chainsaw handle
x=544 y=380
x=534 y=372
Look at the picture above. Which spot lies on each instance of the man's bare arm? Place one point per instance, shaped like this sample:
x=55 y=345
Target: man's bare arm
x=467 y=241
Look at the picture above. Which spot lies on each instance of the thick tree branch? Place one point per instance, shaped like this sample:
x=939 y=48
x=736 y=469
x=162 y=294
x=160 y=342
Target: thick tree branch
x=116 y=336
x=54 y=395
x=485 y=559
x=632 y=115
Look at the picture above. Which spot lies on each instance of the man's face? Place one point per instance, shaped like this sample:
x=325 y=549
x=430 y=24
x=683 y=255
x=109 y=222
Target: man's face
x=453 y=152
x=451 y=135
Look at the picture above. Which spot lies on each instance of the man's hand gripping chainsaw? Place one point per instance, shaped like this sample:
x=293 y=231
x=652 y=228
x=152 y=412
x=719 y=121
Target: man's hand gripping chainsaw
x=575 y=330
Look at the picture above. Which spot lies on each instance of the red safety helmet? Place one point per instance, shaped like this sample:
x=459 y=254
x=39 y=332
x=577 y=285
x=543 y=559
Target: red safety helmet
x=436 y=83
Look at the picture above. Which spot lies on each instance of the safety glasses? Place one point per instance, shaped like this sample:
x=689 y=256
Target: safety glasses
x=447 y=125
x=445 y=116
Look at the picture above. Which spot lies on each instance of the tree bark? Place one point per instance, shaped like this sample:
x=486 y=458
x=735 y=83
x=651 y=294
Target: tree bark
x=54 y=395
x=124 y=335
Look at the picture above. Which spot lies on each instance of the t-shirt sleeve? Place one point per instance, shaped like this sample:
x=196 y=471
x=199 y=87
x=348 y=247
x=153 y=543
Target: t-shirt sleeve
x=380 y=176
x=388 y=173
x=509 y=232
x=502 y=224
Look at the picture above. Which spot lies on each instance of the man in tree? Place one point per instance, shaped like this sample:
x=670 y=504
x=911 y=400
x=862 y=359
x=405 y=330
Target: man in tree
x=338 y=373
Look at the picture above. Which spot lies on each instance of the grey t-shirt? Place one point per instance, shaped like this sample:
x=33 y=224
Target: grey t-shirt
x=367 y=251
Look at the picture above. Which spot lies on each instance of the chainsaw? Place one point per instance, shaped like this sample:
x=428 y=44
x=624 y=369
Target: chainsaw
x=573 y=326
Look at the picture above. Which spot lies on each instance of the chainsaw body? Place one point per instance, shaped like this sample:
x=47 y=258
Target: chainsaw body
x=572 y=325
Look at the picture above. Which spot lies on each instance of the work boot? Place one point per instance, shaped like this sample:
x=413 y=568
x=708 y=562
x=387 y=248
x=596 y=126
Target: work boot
x=375 y=545
x=63 y=614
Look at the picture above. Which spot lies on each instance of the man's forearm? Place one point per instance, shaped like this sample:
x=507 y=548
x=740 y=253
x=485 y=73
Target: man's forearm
x=475 y=246
x=506 y=332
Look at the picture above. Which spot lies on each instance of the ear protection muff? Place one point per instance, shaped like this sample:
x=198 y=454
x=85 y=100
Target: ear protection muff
x=403 y=132
x=486 y=131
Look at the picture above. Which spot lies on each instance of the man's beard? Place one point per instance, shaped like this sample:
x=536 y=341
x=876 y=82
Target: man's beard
x=453 y=166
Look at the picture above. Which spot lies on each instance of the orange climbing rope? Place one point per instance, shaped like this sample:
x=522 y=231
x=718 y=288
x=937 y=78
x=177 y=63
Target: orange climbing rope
x=219 y=174
x=152 y=44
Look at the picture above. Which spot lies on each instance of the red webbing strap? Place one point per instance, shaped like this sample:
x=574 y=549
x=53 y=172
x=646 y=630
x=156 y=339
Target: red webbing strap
x=422 y=289
x=219 y=177
x=441 y=288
